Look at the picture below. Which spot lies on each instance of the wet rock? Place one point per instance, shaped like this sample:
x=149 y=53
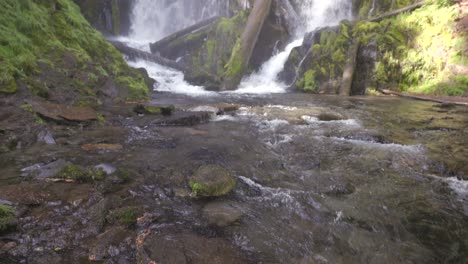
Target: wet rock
x=107 y=168
x=153 y=110
x=97 y=215
x=108 y=243
x=126 y=216
x=25 y=194
x=330 y=116
x=182 y=118
x=211 y=181
x=226 y=108
x=42 y=171
x=222 y=213
x=46 y=137
x=60 y=113
x=7 y=246
x=172 y=246
x=103 y=147
x=182 y=193
x=341 y=189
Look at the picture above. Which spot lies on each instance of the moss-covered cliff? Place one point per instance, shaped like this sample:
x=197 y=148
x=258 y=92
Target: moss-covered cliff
x=420 y=51
x=48 y=49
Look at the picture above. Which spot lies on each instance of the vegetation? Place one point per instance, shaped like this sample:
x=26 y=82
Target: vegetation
x=81 y=175
x=7 y=218
x=416 y=50
x=326 y=58
x=53 y=35
x=126 y=216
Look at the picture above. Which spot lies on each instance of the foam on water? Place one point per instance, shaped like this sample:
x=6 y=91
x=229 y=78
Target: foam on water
x=170 y=80
x=373 y=144
x=265 y=81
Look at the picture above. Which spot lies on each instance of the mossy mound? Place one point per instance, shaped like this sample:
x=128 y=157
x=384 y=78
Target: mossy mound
x=81 y=175
x=48 y=47
x=211 y=181
x=126 y=216
x=7 y=218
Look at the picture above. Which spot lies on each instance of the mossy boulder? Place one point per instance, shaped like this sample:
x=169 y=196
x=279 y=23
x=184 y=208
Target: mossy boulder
x=7 y=218
x=126 y=216
x=80 y=174
x=211 y=181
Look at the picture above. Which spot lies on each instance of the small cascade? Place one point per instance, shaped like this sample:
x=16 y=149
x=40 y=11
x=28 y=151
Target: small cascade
x=313 y=14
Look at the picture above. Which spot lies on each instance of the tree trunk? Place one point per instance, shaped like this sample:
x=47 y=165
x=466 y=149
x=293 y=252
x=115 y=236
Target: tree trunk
x=348 y=73
x=242 y=53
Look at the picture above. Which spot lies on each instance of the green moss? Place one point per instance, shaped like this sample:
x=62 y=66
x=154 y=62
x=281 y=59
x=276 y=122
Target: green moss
x=79 y=174
x=136 y=87
x=235 y=65
x=115 y=17
x=45 y=30
x=126 y=216
x=7 y=218
x=9 y=87
x=415 y=49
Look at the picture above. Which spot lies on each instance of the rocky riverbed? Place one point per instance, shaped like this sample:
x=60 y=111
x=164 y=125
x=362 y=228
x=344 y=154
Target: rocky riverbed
x=305 y=179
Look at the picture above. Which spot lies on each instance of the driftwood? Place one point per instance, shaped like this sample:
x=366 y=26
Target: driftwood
x=139 y=54
x=155 y=47
x=248 y=40
x=397 y=12
x=422 y=98
x=350 y=68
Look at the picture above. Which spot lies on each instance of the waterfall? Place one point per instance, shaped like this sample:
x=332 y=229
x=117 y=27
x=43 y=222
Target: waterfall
x=155 y=19
x=313 y=14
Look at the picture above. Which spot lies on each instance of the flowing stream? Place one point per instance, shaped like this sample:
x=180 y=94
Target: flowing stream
x=320 y=180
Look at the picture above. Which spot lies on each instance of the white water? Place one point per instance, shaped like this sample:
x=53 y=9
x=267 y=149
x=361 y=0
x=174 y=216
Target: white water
x=314 y=14
x=153 y=20
x=266 y=80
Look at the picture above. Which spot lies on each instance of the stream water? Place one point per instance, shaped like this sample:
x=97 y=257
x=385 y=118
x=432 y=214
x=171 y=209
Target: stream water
x=369 y=185
x=320 y=179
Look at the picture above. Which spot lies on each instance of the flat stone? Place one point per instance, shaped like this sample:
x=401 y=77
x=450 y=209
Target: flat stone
x=60 y=112
x=42 y=171
x=222 y=214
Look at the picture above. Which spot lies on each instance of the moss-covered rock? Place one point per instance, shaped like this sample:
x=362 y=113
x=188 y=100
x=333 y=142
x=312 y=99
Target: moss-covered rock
x=211 y=181
x=50 y=48
x=7 y=218
x=126 y=216
x=80 y=174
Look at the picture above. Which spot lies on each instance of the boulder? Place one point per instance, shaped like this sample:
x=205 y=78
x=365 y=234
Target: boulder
x=211 y=181
x=63 y=113
x=222 y=214
x=182 y=118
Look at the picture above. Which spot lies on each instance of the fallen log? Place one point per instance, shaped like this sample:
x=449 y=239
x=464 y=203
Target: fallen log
x=161 y=44
x=422 y=97
x=242 y=53
x=133 y=54
x=397 y=12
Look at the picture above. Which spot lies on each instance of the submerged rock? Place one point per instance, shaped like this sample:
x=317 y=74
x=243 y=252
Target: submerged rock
x=153 y=110
x=212 y=181
x=222 y=213
x=330 y=116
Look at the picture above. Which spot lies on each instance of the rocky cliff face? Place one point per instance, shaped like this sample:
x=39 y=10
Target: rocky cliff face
x=418 y=51
x=112 y=17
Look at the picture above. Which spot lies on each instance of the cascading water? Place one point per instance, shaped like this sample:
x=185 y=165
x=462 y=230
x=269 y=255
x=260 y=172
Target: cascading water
x=313 y=14
x=153 y=20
